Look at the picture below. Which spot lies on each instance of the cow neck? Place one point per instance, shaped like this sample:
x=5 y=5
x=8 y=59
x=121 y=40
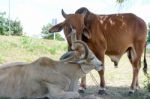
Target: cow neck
x=83 y=66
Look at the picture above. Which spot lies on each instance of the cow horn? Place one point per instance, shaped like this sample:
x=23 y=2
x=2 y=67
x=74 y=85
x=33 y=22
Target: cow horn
x=67 y=56
x=64 y=14
x=86 y=49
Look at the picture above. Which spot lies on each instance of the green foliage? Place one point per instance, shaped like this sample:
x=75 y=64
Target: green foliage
x=27 y=42
x=45 y=32
x=120 y=1
x=15 y=26
x=147 y=84
x=47 y=35
x=148 y=37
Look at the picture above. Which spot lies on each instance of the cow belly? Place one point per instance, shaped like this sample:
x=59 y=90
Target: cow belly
x=115 y=55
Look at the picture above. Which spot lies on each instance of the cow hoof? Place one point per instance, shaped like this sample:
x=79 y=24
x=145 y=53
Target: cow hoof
x=43 y=98
x=81 y=91
x=130 y=93
x=102 y=92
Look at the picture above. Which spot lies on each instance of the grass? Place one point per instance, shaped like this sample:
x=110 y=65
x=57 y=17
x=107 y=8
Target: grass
x=148 y=51
x=118 y=80
x=28 y=49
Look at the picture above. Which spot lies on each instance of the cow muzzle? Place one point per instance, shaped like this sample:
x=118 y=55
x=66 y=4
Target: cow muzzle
x=99 y=66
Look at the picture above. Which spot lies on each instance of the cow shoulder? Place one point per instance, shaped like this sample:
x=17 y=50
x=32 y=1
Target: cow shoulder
x=45 y=62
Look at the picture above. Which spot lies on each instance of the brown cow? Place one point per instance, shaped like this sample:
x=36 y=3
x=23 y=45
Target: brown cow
x=113 y=35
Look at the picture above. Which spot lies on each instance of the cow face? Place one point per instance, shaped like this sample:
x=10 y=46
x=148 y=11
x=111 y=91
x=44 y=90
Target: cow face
x=72 y=22
x=87 y=57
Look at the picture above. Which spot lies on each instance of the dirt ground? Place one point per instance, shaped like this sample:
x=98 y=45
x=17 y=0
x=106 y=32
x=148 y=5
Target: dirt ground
x=115 y=93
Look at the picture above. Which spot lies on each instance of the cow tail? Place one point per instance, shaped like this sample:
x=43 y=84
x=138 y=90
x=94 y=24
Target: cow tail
x=145 y=62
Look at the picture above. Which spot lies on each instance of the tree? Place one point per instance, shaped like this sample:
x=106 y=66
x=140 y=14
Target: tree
x=148 y=38
x=15 y=26
x=2 y=23
x=47 y=35
x=120 y=1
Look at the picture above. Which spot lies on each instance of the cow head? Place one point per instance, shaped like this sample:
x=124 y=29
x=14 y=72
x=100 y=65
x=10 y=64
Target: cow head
x=81 y=54
x=72 y=22
x=88 y=58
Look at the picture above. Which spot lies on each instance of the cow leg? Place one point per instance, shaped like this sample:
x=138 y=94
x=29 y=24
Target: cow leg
x=102 y=83
x=134 y=80
x=56 y=92
x=82 y=85
x=135 y=59
x=137 y=84
x=102 y=90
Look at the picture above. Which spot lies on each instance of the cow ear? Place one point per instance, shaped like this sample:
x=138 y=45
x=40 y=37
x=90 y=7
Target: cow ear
x=88 y=18
x=56 y=28
x=86 y=33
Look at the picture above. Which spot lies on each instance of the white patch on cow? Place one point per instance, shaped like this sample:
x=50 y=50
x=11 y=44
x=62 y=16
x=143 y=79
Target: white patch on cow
x=111 y=22
x=104 y=17
x=73 y=30
x=101 y=21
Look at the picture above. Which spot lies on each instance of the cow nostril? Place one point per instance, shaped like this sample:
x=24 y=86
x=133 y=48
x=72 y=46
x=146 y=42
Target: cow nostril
x=101 y=64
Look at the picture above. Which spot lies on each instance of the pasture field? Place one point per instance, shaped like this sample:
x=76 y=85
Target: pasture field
x=118 y=80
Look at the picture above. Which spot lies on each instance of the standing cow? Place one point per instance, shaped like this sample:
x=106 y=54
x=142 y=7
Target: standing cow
x=113 y=35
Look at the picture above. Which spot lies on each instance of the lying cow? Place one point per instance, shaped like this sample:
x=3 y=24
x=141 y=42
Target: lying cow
x=46 y=77
x=113 y=35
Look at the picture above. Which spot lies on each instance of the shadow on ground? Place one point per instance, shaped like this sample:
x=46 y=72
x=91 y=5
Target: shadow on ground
x=115 y=93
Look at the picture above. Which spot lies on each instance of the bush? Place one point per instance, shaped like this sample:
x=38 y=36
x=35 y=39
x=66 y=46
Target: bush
x=47 y=35
x=15 y=26
x=147 y=84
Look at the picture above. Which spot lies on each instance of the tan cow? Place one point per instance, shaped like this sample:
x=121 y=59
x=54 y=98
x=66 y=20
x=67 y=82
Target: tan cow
x=46 y=77
x=113 y=35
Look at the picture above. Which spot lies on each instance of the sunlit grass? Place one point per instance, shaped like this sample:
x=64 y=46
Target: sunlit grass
x=28 y=49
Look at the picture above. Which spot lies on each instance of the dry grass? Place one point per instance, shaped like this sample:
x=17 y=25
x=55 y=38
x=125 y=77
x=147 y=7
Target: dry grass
x=118 y=81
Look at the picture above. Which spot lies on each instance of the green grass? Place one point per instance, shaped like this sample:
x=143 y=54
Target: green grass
x=27 y=49
x=118 y=80
x=148 y=51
